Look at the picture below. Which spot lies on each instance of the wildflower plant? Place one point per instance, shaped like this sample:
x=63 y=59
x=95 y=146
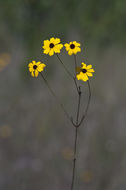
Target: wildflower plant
x=53 y=46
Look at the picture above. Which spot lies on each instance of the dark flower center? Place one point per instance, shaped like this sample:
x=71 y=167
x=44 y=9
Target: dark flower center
x=51 y=45
x=84 y=70
x=35 y=67
x=72 y=46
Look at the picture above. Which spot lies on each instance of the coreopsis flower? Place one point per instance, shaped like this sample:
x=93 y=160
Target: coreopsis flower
x=35 y=68
x=84 y=72
x=52 y=46
x=72 y=47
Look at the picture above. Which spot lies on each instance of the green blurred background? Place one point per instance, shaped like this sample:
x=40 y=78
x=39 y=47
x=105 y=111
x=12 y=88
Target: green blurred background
x=36 y=139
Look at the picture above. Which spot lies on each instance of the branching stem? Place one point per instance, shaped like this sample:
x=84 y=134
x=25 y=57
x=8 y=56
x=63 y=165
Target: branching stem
x=77 y=123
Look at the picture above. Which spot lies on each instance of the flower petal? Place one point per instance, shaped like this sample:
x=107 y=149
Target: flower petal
x=89 y=66
x=85 y=77
x=70 y=52
x=52 y=40
x=79 y=76
x=89 y=74
x=32 y=74
x=91 y=70
x=40 y=67
x=36 y=73
x=34 y=62
x=76 y=49
x=46 y=51
x=57 y=41
x=51 y=52
x=30 y=65
x=82 y=76
x=31 y=69
x=67 y=46
x=46 y=43
x=83 y=65
x=57 y=48
x=38 y=63
x=76 y=44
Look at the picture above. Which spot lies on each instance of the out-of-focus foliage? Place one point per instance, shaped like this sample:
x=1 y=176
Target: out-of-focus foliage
x=100 y=21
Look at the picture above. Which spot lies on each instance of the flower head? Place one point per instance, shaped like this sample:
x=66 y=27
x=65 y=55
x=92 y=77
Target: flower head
x=84 y=72
x=35 y=68
x=72 y=47
x=52 y=46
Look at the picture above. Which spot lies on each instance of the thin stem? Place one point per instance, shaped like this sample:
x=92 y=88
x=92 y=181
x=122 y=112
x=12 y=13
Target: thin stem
x=75 y=139
x=78 y=109
x=69 y=73
x=53 y=93
x=75 y=63
x=75 y=80
x=86 y=110
x=74 y=159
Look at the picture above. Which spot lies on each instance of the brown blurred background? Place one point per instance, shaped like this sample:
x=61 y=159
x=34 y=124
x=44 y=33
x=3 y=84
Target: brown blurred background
x=36 y=139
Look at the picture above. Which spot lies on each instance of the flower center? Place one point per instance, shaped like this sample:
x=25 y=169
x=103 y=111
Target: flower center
x=51 y=45
x=84 y=70
x=35 y=67
x=72 y=46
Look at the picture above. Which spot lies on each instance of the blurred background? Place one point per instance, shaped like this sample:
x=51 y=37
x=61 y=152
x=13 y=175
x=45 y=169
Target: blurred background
x=36 y=139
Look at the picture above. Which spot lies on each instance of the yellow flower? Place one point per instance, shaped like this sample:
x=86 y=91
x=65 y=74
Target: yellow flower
x=84 y=72
x=35 y=68
x=72 y=47
x=52 y=46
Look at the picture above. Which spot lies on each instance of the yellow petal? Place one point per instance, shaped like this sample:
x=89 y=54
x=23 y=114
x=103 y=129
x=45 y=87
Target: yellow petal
x=82 y=76
x=36 y=73
x=70 y=52
x=32 y=74
x=89 y=74
x=38 y=63
x=67 y=46
x=74 y=42
x=34 y=62
x=45 y=47
x=77 y=49
x=57 y=41
x=79 y=76
x=31 y=69
x=46 y=51
x=30 y=65
x=40 y=67
x=60 y=46
x=85 y=77
x=77 y=44
x=51 y=52
x=89 y=66
x=52 y=40
x=57 y=48
x=46 y=43
x=83 y=65
x=91 y=70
